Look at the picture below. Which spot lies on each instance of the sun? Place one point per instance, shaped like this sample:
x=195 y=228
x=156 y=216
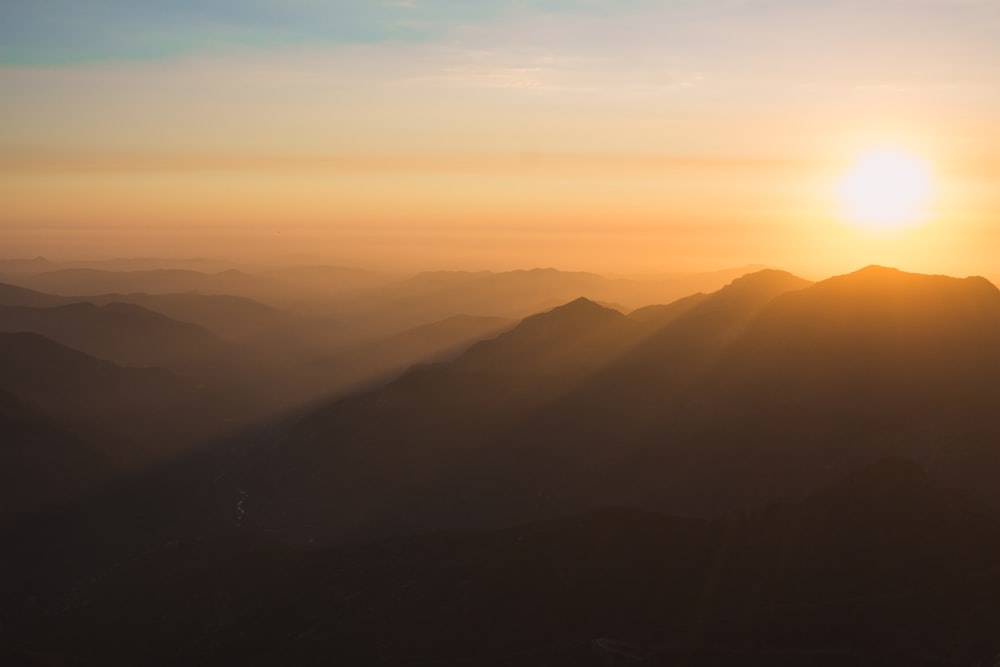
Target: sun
x=886 y=190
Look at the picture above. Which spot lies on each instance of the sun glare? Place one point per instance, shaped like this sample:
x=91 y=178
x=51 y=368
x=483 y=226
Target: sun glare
x=885 y=190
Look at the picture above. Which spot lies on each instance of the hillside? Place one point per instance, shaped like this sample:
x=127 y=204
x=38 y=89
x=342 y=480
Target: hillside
x=883 y=568
x=719 y=409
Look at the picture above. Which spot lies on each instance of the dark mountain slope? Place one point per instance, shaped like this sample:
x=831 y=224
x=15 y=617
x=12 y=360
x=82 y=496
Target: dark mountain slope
x=40 y=369
x=822 y=380
x=222 y=314
x=70 y=420
x=578 y=336
x=230 y=316
x=42 y=462
x=135 y=415
x=123 y=333
x=713 y=322
x=871 y=364
x=749 y=397
x=12 y=295
x=885 y=568
x=378 y=361
x=498 y=435
x=660 y=315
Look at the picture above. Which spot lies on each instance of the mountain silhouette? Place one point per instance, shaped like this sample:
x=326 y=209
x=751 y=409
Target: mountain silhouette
x=71 y=420
x=660 y=315
x=777 y=472
x=42 y=460
x=222 y=314
x=120 y=332
x=744 y=399
x=886 y=567
x=577 y=336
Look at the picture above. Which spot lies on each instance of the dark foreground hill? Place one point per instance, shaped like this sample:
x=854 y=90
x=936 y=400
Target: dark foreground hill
x=884 y=568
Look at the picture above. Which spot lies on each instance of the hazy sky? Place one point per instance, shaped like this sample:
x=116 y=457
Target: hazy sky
x=614 y=135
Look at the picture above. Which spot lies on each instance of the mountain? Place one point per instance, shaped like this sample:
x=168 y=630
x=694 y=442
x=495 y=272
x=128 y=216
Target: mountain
x=279 y=287
x=510 y=430
x=222 y=314
x=70 y=420
x=232 y=317
x=777 y=472
x=691 y=333
x=124 y=333
x=886 y=567
x=329 y=281
x=43 y=461
x=662 y=314
x=432 y=296
x=377 y=361
x=80 y=282
x=12 y=295
x=577 y=336
x=23 y=266
x=763 y=391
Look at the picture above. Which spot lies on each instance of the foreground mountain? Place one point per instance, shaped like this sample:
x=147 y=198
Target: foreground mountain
x=884 y=568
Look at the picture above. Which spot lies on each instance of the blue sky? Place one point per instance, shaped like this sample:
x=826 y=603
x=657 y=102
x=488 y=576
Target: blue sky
x=66 y=31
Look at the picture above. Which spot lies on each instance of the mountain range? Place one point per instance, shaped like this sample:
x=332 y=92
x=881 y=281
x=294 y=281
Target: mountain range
x=774 y=472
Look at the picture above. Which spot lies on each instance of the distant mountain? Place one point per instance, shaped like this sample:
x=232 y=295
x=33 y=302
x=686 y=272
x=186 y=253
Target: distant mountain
x=274 y=287
x=886 y=567
x=22 y=266
x=81 y=282
x=12 y=295
x=377 y=361
x=120 y=332
x=322 y=280
x=433 y=296
x=663 y=314
x=227 y=315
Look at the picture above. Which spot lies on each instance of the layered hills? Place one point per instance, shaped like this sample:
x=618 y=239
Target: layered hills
x=763 y=391
x=774 y=472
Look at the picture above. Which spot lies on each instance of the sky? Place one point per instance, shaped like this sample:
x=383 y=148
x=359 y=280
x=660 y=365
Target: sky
x=618 y=136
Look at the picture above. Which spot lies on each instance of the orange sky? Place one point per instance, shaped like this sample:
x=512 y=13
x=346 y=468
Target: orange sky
x=628 y=137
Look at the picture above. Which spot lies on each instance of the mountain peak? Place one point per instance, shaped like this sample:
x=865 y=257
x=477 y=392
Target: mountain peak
x=880 y=281
x=578 y=313
x=766 y=280
x=580 y=330
x=580 y=302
